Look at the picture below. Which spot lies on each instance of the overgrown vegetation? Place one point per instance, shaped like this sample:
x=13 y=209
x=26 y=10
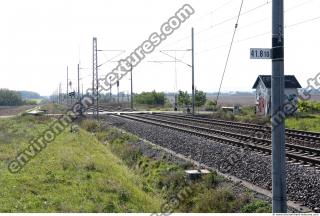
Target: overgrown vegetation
x=257 y=206
x=74 y=173
x=309 y=107
x=246 y=114
x=211 y=105
x=210 y=194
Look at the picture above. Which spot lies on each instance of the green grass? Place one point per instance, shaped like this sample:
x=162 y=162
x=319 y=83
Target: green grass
x=54 y=108
x=36 y=100
x=246 y=115
x=75 y=173
x=257 y=206
x=301 y=121
x=309 y=122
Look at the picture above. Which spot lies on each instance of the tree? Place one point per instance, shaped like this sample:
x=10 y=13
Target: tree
x=200 y=98
x=184 y=98
x=150 y=98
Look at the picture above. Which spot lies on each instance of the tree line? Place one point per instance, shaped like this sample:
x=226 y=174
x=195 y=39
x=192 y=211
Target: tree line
x=10 y=98
x=159 y=98
x=150 y=98
x=184 y=99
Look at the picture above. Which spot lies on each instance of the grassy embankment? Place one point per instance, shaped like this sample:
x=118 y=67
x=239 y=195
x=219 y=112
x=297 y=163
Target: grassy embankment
x=34 y=101
x=75 y=173
x=54 y=108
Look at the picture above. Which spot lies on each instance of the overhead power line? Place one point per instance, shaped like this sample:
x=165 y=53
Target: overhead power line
x=222 y=22
x=258 y=35
x=226 y=64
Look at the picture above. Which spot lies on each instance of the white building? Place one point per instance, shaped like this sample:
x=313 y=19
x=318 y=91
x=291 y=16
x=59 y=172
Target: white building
x=263 y=92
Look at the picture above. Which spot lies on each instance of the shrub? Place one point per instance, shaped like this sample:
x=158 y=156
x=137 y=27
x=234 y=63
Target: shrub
x=89 y=125
x=211 y=180
x=150 y=98
x=210 y=105
x=221 y=114
x=257 y=206
x=309 y=106
x=221 y=200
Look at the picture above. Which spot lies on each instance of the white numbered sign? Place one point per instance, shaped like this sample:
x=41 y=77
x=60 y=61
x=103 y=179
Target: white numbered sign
x=258 y=53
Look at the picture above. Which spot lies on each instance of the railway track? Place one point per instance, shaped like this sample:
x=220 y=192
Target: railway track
x=305 y=138
x=109 y=109
x=295 y=153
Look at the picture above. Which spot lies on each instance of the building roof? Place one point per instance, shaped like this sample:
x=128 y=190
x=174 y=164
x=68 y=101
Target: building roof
x=290 y=81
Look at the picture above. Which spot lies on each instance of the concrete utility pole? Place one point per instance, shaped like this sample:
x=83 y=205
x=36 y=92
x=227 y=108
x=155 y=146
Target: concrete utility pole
x=95 y=91
x=118 y=91
x=175 y=82
x=59 y=93
x=131 y=88
x=110 y=93
x=78 y=82
x=81 y=88
x=192 y=55
x=97 y=79
x=67 y=85
x=79 y=96
x=279 y=198
x=93 y=70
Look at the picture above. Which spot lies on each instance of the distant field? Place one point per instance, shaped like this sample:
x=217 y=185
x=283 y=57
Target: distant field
x=14 y=110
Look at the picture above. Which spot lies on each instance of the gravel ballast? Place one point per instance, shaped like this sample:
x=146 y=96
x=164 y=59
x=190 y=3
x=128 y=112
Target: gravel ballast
x=303 y=183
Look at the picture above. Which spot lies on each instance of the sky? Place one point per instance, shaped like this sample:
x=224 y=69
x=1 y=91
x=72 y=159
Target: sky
x=40 y=38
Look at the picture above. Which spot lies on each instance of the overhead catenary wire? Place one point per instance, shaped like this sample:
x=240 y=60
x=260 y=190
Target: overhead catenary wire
x=258 y=35
x=109 y=60
x=233 y=17
x=229 y=19
x=230 y=48
x=207 y=14
x=263 y=19
x=178 y=60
